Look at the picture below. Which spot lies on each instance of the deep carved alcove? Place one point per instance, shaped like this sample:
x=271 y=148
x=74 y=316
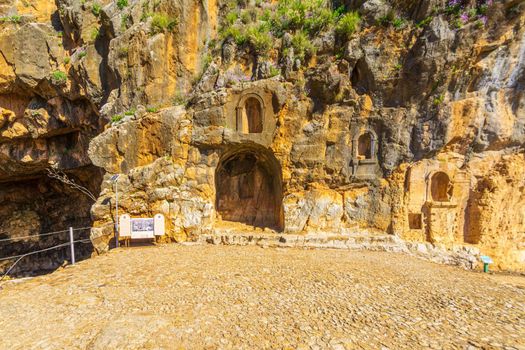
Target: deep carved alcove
x=249 y=188
x=364 y=146
x=440 y=187
x=250 y=114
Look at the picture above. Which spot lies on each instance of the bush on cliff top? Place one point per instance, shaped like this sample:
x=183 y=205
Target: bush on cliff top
x=260 y=26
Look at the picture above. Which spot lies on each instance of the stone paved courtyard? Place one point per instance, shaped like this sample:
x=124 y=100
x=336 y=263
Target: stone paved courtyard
x=222 y=297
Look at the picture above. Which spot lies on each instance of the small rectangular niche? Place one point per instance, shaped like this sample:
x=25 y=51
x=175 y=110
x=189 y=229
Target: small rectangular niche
x=415 y=221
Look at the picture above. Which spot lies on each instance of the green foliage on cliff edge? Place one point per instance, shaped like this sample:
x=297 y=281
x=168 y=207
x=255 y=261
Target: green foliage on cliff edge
x=261 y=25
x=161 y=23
x=58 y=77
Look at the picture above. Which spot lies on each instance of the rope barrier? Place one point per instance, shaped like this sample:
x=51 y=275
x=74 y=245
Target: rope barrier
x=20 y=257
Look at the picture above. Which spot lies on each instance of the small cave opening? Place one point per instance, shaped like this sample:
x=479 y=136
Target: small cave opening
x=43 y=209
x=249 y=188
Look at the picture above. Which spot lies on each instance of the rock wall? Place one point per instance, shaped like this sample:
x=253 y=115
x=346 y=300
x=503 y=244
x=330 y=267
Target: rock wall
x=408 y=120
x=66 y=67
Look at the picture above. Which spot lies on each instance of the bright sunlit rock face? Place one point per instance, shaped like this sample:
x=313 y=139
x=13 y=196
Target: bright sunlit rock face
x=379 y=117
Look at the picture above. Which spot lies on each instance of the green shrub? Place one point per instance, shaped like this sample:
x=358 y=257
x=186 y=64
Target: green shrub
x=116 y=118
x=122 y=3
x=232 y=17
x=152 y=109
x=58 y=77
x=424 y=22
x=130 y=112
x=348 y=24
x=323 y=18
x=94 y=34
x=274 y=71
x=13 y=19
x=260 y=39
x=67 y=59
x=310 y=16
x=398 y=23
x=96 y=8
x=162 y=23
x=235 y=33
x=439 y=100
x=302 y=46
x=82 y=54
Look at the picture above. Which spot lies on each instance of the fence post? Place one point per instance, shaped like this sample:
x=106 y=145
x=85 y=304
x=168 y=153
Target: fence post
x=72 y=246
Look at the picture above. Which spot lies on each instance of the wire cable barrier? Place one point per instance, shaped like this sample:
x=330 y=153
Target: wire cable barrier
x=70 y=243
x=39 y=235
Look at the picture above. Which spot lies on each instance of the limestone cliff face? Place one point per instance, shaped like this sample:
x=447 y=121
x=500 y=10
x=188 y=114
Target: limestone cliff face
x=66 y=67
x=410 y=123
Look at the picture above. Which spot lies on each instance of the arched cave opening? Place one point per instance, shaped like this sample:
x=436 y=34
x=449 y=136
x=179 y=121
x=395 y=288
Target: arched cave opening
x=248 y=185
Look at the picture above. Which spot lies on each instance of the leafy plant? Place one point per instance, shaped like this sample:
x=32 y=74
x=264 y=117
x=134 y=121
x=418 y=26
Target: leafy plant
x=116 y=118
x=130 y=111
x=235 y=33
x=424 y=22
x=94 y=34
x=58 y=77
x=82 y=54
x=439 y=100
x=96 y=8
x=260 y=39
x=398 y=23
x=152 y=109
x=67 y=59
x=348 y=24
x=13 y=19
x=274 y=71
x=121 y=4
x=303 y=48
x=162 y=23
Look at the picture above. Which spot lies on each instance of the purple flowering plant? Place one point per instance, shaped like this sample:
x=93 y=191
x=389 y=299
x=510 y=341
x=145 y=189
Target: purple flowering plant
x=463 y=13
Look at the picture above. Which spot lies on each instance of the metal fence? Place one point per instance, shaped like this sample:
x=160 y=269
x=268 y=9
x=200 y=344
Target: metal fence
x=70 y=243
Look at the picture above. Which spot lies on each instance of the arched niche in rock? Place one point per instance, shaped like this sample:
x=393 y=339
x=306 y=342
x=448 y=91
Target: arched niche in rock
x=440 y=187
x=250 y=114
x=365 y=145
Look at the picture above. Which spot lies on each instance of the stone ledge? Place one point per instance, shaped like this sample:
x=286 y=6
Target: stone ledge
x=462 y=256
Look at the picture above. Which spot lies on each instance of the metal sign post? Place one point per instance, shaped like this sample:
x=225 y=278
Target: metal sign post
x=72 y=246
x=114 y=179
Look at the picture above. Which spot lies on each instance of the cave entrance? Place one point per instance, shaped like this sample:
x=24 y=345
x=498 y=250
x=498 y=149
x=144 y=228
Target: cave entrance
x=249 y=188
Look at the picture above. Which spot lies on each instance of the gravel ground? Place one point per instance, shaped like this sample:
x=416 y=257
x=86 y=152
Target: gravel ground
x=222 y=297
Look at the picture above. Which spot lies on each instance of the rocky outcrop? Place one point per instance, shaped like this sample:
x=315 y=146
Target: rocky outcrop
x=395 y=117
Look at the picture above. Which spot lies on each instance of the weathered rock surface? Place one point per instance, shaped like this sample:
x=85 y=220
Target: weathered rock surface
x=411 y=125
